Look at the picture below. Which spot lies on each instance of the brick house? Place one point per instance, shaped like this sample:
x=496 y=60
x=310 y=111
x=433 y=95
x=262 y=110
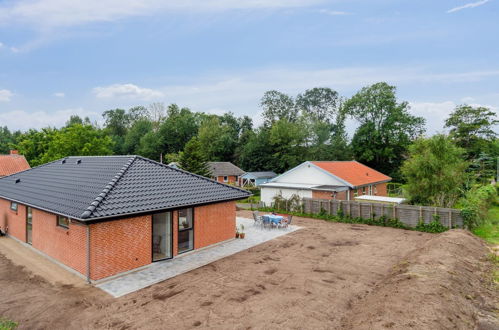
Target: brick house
x=101 y=216
x=226 y=172
x=340 y=180
x=12 y=163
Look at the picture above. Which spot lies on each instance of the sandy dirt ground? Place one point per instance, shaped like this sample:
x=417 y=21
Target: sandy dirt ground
x=325 y=276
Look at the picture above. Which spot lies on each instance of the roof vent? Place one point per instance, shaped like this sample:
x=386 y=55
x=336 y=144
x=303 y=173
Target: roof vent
x=64 y=161
x=78 y=161
x=18 y=180
x=367 y=173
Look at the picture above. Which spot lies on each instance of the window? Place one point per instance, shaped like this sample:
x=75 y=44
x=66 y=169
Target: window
x=375 y=190
x=62 y=221
x=363 y=190
x=226 y=178
x=13 y=206
x=185 y=230
x=355 y=193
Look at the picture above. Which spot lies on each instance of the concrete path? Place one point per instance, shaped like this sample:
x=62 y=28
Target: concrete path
x=163 y=270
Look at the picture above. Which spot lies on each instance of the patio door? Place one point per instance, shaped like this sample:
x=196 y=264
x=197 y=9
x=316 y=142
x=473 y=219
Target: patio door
x=162 y=236
x=29 y=224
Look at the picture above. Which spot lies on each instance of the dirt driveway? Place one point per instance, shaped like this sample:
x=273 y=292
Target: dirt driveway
x=327 y=275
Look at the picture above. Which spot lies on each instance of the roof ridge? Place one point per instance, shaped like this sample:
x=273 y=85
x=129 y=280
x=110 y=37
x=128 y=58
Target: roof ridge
x=91 y=208
x=193 y=174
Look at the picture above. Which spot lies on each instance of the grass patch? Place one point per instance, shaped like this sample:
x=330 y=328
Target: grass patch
x=251 y=199
x=489 y=230
x=7 y=324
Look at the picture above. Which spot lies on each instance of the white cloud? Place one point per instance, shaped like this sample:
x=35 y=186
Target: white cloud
x=333 y=12
x=5 y=95
x=468 y=5
x=129 y=91
x=53 y=13
x=40 y=119
x=59 y=94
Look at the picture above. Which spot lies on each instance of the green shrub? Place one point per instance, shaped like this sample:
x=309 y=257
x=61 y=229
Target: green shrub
x=7 y=324
x=476 y=203
x=433 y=227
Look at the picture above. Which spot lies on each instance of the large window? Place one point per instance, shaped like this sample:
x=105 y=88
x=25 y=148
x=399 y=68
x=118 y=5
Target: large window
x=62 y=221
x=185 y=230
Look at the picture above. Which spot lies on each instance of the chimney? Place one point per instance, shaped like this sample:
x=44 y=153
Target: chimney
x=14 y=152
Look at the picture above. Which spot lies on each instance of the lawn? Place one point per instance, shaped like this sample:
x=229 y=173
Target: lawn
x=489 y=231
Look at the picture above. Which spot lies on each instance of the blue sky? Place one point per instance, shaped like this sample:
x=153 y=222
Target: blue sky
x=60 y=57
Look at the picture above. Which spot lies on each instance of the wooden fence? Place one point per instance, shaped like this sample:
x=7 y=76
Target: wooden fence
x=410 y=215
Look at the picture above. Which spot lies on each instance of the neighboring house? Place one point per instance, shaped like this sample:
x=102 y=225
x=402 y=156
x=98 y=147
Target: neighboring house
x=12 y=163
x=105 y=215
x=225 y=172
x=340 y=180
x=255 y=179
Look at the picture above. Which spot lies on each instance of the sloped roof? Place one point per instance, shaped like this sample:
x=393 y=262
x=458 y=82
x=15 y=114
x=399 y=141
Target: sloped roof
x=353 y=172
x=10 y=164
x=224 y=168
x=261 y=175
x=96 y=187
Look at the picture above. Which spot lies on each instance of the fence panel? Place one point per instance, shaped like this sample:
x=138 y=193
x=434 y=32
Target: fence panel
x=410 y=215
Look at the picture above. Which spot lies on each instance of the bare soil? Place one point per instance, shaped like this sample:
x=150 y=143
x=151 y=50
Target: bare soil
x=325 y=276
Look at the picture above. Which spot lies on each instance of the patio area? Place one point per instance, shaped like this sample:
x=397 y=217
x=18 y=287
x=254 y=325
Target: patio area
x=163 y=270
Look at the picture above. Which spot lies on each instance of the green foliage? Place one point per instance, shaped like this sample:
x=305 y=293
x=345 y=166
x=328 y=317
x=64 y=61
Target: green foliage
x=489 y=229
x=193 y=159
x=433 y=227
x=77 y=140
x=435 y=171
x=472 y=128
x=386 y=127
x=7 y=324
x=475 y=205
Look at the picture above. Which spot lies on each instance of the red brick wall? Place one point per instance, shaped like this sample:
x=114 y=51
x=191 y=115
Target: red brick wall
x=230 y=179
x=119 y=245
x=175 y=233
x=214 y=223
x=13 y=222
x=381 y=189
x=65 y=245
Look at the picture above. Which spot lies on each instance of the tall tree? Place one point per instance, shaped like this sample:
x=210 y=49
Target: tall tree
x=386 y=128
x=277 y=106
x=472 y=128
x=78 y=140
x=320 y=103
x=193 y=159
x=218 y=140
x=435 y=171
x=34 y=144
x=6 y=139
x=139 y=128
x=180 y=125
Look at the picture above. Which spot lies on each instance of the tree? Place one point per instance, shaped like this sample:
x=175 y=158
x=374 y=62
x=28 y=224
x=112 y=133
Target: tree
x=177 y=129
x=139 y=128
x=34 y=144
x=6 y=140
x=77 y=140
x=287 y=145
x=322 y=104
x=472 y=128
x=193 y=159
x=116 y=125
x=386 y=127
x=435 y=171
x=218 y=140
x=277 y=106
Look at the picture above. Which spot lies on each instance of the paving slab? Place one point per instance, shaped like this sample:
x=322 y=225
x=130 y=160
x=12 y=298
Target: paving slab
x=163 y=270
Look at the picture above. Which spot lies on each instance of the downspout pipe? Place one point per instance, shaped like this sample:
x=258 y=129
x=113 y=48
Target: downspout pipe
x=88 y=254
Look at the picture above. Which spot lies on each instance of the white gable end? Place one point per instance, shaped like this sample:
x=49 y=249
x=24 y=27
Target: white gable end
x=307 y=173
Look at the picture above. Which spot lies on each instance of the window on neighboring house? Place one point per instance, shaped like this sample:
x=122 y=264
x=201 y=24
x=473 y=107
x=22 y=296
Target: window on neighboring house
x=375 y=190
x=355 y=193
x=62 y=221
x=226 y=178
x=13 y=206
x=363 y=190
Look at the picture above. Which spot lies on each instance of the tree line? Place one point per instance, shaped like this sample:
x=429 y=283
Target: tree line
x=308 y=126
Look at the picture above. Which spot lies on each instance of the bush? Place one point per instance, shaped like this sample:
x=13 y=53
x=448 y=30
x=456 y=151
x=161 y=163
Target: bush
x=433 y=227
x=476 y=203
x=7 y=324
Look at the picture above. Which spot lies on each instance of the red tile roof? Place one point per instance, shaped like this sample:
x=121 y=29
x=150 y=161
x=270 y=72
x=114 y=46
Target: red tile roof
x=353 y=172
x=10 y=164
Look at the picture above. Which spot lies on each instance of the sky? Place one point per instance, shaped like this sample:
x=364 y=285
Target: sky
x=62 y=57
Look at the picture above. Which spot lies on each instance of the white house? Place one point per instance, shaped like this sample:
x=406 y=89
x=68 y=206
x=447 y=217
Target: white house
x=341 y=180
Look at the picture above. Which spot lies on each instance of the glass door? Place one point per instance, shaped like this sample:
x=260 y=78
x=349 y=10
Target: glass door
x=29 y=224
x=185 y=230
x=161 y=236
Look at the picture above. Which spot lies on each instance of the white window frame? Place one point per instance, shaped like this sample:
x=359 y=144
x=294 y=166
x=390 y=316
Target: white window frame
x=226 y=178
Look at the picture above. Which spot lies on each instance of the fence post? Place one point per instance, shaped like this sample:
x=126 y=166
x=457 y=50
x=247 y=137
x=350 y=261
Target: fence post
x=394 y=211
x=382 y=209
x=421 y=214
x=350 y=209
x=450 y=218
x=372 y=215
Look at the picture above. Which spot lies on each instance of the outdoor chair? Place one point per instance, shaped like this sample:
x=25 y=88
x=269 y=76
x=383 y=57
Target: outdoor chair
x=266 y=223
x=257 y=218
x=286 y=222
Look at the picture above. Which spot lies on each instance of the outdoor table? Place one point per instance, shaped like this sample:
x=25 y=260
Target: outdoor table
x=274 y=218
